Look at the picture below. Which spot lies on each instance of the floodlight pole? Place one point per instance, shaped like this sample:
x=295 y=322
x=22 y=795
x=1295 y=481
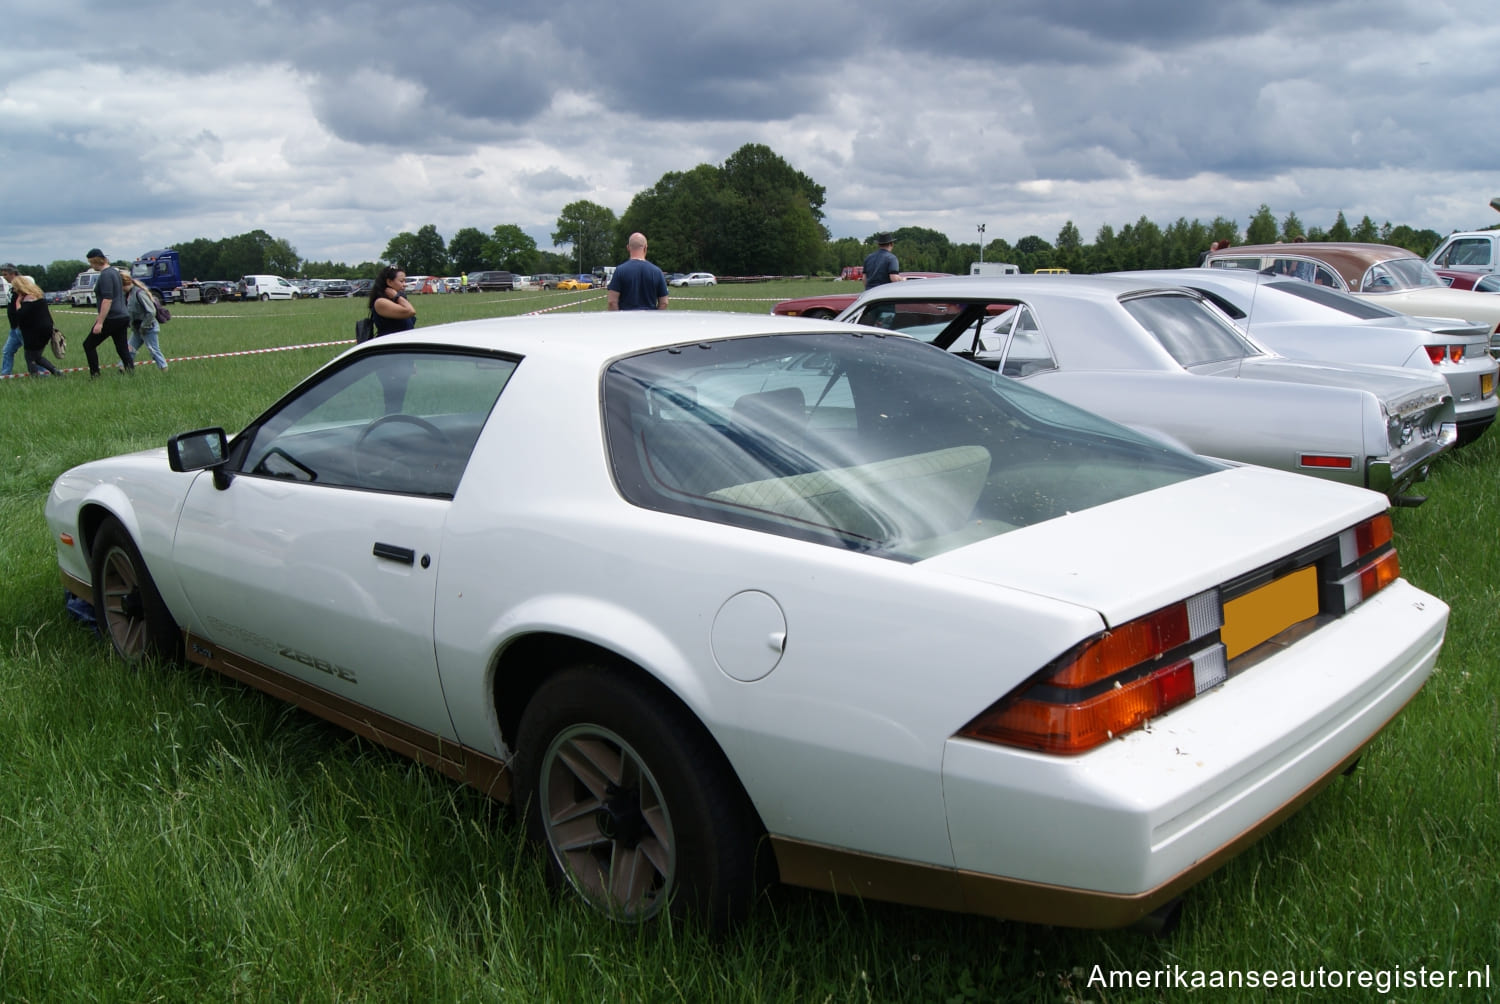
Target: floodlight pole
x=981 y=243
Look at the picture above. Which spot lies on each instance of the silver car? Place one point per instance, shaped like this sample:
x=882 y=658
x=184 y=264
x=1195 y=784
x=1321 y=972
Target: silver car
x=1163 y=359
x=1303 y=320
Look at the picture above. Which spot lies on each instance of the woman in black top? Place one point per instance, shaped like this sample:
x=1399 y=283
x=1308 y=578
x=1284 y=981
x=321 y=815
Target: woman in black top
x=35 y=322
x=388 y=303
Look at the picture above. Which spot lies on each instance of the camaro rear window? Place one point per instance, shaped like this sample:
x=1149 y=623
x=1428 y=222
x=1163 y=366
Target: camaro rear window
x=1191 y=334
x=872 y=443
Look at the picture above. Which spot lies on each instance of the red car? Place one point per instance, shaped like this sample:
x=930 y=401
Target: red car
x=830 y=305
x=1456 y=279
x=1479 y=282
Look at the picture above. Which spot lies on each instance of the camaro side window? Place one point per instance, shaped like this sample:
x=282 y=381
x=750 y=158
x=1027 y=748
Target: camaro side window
x=389 y=421
x=1028 y=351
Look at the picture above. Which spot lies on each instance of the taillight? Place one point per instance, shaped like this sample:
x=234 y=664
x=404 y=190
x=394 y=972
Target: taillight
x=1119 y=680
x=1368 y=560
x=1437 y=353
x=1456 y=353
x=1113 y=683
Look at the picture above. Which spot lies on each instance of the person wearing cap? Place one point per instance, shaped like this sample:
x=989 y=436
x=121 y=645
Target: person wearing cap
x=112 y=323
x=881 y=265
x=13 y=340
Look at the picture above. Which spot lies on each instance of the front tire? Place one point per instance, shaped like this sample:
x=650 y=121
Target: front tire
x=127 y=605
x=633 y=802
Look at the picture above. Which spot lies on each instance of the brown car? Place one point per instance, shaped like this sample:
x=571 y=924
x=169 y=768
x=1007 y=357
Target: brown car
x=1390 y=276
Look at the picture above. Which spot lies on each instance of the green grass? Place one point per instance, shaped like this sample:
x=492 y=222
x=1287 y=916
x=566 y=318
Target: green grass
x=166 y=834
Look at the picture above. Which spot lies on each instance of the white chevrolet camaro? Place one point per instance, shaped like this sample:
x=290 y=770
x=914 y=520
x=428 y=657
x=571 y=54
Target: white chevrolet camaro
x=722 y=598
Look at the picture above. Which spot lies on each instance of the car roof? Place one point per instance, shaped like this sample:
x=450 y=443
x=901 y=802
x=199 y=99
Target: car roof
x=1110 y=286
x=598 y=337
x=1350 y=260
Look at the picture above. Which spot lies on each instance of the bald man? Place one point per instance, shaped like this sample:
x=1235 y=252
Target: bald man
x=637 y=284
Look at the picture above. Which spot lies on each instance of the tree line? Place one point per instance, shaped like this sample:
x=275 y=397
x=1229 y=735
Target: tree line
x=752 y=215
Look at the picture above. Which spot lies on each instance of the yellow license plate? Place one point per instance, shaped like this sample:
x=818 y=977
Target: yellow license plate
x=1486 y=384
x=1269 y=610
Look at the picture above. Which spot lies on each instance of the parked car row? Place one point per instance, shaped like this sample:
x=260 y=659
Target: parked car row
x=1162 y=359
x=1392 y=276
x=1302 y=320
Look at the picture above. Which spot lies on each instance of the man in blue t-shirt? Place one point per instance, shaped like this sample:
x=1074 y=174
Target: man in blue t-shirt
x=637 y=284
x=881 y=265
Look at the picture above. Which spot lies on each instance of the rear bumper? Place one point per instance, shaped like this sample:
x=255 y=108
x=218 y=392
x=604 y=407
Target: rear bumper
x=1102 y=838
x=1393 y=477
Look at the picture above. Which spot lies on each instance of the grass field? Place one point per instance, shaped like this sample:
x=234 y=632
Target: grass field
x=166 y=834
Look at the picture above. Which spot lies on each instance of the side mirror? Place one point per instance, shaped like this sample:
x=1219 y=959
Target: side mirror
x=198 y=450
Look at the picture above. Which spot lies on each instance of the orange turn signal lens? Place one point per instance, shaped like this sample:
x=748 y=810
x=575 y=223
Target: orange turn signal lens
x=1380 y=573
x=1373 y=533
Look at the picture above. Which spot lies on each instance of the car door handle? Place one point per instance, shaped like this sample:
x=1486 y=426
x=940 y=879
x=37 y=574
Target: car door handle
x=391 y=552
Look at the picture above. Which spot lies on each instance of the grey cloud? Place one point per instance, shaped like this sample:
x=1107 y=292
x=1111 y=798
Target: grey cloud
x=931 y=114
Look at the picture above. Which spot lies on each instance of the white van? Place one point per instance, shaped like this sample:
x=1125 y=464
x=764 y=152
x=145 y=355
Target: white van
x=268 y=287
x=81 y=294
x=993 y=268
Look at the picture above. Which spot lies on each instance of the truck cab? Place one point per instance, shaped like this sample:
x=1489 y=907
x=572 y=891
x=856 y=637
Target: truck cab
x=1468 y=251
x=159 y=272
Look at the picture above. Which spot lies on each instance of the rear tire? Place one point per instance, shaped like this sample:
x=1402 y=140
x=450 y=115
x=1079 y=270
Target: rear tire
x=127 y=605
x=264 y=297
x=633 y=802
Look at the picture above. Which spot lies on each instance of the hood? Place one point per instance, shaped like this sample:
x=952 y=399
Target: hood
x=1130 y=557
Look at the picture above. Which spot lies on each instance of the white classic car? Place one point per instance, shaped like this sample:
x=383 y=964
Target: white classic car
x=724 y=598
x=1303 y=320
x=1159 y=358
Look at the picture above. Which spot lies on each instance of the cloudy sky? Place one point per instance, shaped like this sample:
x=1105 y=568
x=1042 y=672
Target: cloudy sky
x=336 y=126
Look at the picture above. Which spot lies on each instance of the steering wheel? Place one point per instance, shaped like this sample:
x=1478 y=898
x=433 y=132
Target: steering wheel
x=397 y=469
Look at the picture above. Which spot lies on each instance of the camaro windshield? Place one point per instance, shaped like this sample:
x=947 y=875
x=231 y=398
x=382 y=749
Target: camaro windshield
x=862 y=441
